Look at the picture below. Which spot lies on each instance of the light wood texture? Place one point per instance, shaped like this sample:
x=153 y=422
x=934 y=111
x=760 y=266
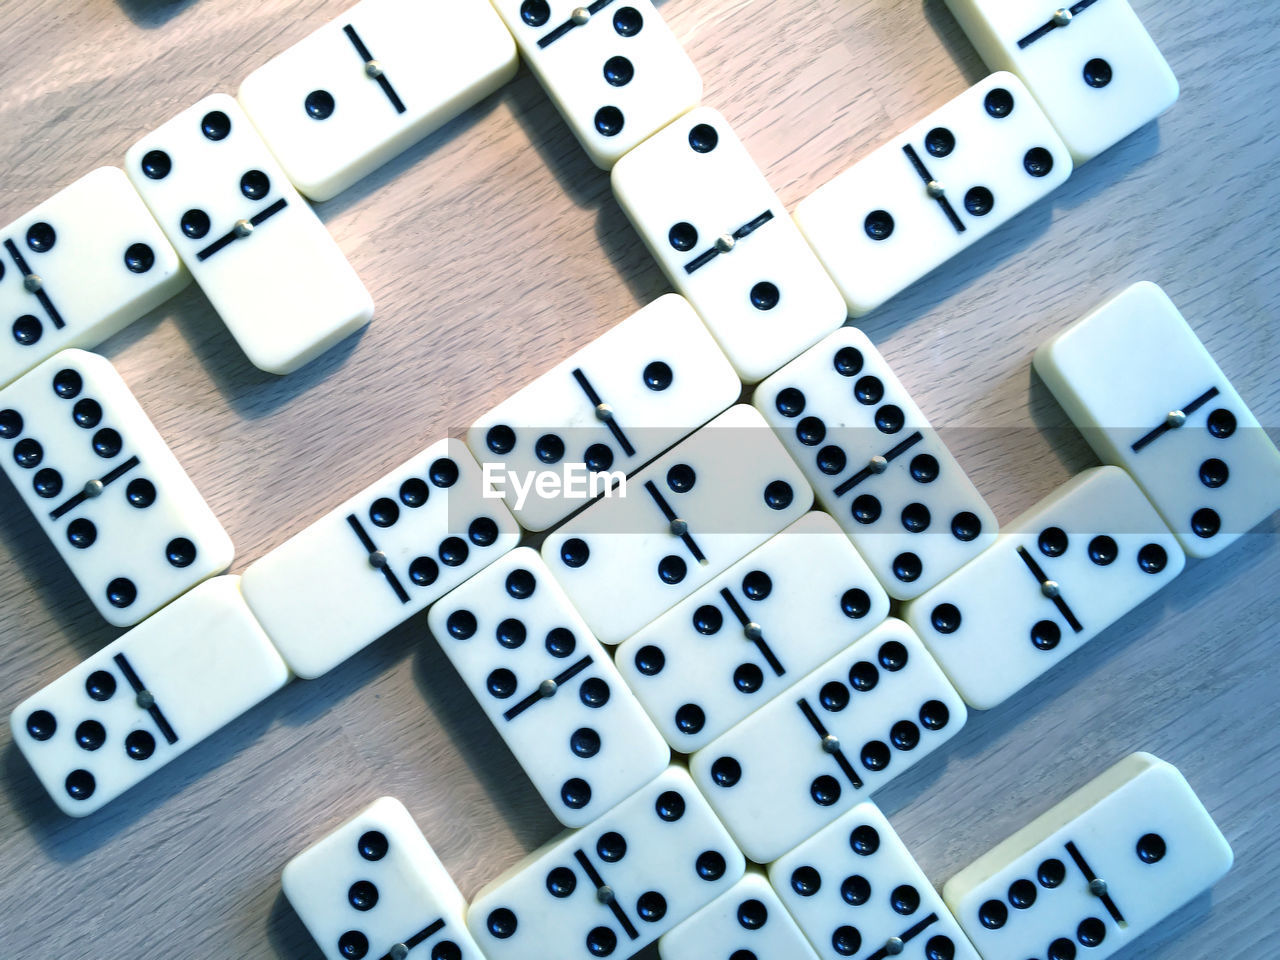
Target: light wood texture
x=493 y=250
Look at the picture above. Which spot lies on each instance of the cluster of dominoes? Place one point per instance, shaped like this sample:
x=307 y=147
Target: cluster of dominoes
x=1099 y=869
x=751 y=633
x=221 y=179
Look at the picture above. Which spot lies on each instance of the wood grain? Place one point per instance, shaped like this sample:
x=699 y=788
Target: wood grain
x=493 y=250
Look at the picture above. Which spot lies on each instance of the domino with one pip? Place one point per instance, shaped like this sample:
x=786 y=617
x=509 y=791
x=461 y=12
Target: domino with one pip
x=735 y=644
x=1054 y=579
x=1097 y=871
x=609 y=409
x=369 y=83
x=844 y=731
x=681 y=520
x=724 y=240
x=1091 y=64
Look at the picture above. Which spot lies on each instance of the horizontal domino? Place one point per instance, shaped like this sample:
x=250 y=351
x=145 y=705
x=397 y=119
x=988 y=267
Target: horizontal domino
x=257 y=250
x=614 y=887
x=1054 y=579
x=844 y=731
x=105 y=487
x=375 y=888
x=856 y=891
x=371 y=82
x=79 y=267
x=148 y=697
x=735 y=644
x=1133 y=376
x=1096 y=871
x=677 y=523
x=746 y=922
x=548 y=687
x=1091 y=64
x=610 y=408
x=378 y=558
x=876 y=463
x=933 y=190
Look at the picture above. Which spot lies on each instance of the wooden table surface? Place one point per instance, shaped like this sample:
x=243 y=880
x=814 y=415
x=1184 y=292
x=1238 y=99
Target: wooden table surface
x=494 y=249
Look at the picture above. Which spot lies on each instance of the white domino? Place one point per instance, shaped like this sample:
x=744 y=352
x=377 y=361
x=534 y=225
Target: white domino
x=383 y=555
x=79 y=267
x=1094 y=873
x=371 y=82
x=677 y=523
x=934 y=190
x=851 y=726
x=724 y=240
x=735 y=644
x=856 y=891
x=613 y=68
x=613 y=888
x=375 y=888
x=876 y=464
x=607 y=410
x=105 y=487
x=1054 y=579
x=1137 y=381
x=1091 y=64
x=147 y=698
x=548 y=687
x=262 y=257
x=746 y=922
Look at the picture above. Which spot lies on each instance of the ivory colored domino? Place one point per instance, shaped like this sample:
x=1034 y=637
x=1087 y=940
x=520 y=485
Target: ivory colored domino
x=258 y=251
x=375 y=888
x=1096 y=871
x=79 y=267
x=1092 y=65
x=1133 y=376
x=368 y=84
x=148 y=697
x=105 y=487
x=934 y=190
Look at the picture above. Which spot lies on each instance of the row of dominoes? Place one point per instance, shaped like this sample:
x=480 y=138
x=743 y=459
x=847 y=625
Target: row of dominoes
x=734 y=591
x=92 y=258
x=695 y=513
x=1096 y=871
x=212 y=676
x=220 y=177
